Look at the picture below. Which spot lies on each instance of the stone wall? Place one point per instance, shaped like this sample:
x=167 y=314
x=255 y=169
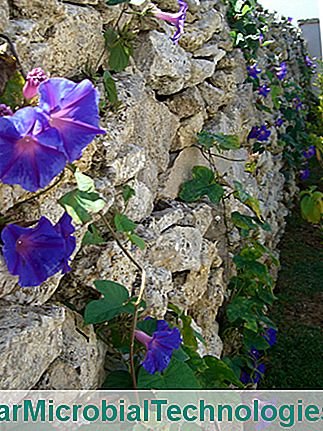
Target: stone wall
x=169 y=93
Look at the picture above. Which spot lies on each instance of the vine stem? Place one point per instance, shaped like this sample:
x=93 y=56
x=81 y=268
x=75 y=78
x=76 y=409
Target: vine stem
x=138 y=300
x=219 y=155
x=14 y=52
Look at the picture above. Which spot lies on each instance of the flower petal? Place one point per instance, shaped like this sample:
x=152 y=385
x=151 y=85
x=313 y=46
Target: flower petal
x=35 y=255
x=65 y=228
x=72 y=110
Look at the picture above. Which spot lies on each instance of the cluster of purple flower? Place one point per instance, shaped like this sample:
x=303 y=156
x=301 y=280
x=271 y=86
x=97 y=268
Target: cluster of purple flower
x=35 y=254
x=260 y=133
x=37 y=142
x=281 y=71
x=307 y=154
x=35 y=145
x=298 y=105
x=160 y=346
x=254 y=71
x=310 y=63
x=264 y=90
x=279 y=122
x=256 y=356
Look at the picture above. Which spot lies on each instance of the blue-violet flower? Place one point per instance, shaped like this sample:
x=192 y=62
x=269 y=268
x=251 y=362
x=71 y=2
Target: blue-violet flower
x=253 y=71
x=72 y=110
x=5 y=110
x=279 y=122
x=308 y=154
x=177 y=19
x=264 y=90
x=260 y=133
x=35 y=254
x=281 y=71
x=29 y=155
x=270 y=336
x=65 y=229
x=257 y=374
x=304 y=174
x=159 y=347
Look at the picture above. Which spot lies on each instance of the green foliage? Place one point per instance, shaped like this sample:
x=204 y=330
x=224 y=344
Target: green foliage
x=127 y=193
x=276 y=91
x=115 y=2
x=83 y=201
x=79 y=205
x=110 y=87
x=92 y=236
x=127 y=226
x=12 y=95
x=246 y=223
x=247 y=199
x=118 y=380
x=312 y=205
x=178 y=375
x=123 y=223
x=202 y=184
x=245 y=29
x=114 y=302
x=119 y=48
x=217 y=374
x=220 y=140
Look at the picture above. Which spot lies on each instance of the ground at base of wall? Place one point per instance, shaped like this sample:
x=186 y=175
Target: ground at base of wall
x=296 y=360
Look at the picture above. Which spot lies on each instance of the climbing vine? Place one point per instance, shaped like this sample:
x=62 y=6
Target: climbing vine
x=45 y=126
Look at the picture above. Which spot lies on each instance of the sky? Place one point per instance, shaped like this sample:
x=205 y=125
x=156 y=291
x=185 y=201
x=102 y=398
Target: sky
x=298 y=9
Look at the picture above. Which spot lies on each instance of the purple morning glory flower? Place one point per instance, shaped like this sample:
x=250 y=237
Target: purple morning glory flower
x=308 y=154
x=253 y=71
x=270 y=336
x=159 y=347
x=258 y=372
x=261 y=39
x=5 y=110
x=72 y=110
x=263 y=134
x=290 y=19
x=264 y=90
x=260 y=133
x=279 y=122
x=35 y=254
x=304 y=174
x=253 y=134
x=176 y=19
x=34 y=78
x=65 y=229
x=281 y=71
x=29 y=155
x=309 y=62
x=298 y=105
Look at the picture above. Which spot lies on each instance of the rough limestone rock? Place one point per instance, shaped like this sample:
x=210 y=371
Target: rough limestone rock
x=142 y=130
x=187 y=103
x=158 y=285
x=165 y=66
x=4 y=14
x=201 y=31
x=190 y=127
x=30 y=340
x=189 y=287
x=62 y=46
x=80 y=363
x=178 y=249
